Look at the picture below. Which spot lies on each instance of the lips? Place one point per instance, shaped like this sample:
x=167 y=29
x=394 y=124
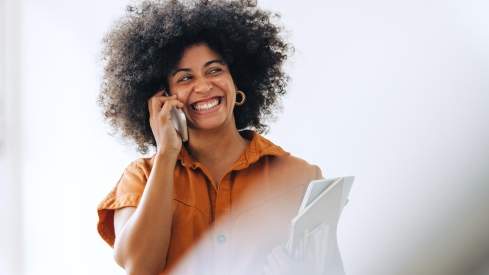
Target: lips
x=206 y=104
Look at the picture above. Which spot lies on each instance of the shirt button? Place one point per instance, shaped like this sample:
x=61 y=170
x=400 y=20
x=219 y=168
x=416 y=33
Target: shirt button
x=221 y=238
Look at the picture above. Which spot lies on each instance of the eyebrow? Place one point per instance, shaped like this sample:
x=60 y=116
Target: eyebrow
x=220 y=61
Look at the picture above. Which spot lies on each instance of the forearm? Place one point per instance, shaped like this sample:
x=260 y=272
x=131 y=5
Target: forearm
x=143 y=242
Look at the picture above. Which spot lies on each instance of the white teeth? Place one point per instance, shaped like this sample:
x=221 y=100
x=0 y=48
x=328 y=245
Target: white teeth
x=203 y=106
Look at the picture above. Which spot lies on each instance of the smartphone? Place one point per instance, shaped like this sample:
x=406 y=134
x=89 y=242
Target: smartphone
x=179 y=121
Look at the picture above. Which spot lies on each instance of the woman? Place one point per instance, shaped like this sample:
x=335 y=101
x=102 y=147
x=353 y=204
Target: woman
x=223 y=199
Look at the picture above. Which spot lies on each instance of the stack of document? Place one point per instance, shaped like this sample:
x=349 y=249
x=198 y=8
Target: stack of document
x=312 y=236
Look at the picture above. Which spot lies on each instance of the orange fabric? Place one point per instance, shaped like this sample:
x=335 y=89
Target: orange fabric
x=244 y=216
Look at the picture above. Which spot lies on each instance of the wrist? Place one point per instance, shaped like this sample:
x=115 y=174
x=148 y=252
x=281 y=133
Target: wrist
x=167 y=154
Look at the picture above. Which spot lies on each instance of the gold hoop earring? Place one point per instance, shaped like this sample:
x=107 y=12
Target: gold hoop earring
x=243 y=98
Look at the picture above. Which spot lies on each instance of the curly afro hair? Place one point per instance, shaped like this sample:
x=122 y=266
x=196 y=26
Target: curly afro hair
x=145 y=45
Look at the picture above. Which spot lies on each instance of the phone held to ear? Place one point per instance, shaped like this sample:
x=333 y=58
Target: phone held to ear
x=179 y=121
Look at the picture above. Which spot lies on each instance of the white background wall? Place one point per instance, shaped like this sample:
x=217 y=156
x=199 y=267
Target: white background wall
x=10 y=195
x=393 y=92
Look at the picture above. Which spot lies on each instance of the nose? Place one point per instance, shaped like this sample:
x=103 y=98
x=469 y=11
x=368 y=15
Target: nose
x=202 y=85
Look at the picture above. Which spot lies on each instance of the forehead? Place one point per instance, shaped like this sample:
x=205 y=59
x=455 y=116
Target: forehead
x=197 y=56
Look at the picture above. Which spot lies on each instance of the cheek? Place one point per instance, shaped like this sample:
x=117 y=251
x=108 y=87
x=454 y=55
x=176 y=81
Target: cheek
x=228 y=86
x=175 y=89
x=182 y=95
x=230 y=96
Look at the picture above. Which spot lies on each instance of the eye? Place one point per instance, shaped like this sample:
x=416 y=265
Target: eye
x=214 y=70
x=184 y=78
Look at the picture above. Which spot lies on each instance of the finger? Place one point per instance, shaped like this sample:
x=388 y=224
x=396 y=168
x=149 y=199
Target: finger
x=167 y=106
x=159 y=93
x=174 y=102
x=151 y=105
x=162 y=98
x=156 y=103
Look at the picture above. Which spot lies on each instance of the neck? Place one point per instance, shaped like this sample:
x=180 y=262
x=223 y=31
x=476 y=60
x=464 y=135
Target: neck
x=217 y=146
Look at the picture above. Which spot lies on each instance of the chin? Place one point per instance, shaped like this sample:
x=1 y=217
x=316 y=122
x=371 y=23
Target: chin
x=214 y=123
x=208 y=125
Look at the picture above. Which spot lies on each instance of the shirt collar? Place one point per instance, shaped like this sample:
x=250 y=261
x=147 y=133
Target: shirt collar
x=257 y=148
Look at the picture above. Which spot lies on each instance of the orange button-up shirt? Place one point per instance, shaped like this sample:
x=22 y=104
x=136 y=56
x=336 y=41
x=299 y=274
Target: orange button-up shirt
x=232 y=225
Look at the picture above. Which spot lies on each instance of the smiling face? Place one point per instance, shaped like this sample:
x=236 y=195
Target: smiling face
x=203 y=83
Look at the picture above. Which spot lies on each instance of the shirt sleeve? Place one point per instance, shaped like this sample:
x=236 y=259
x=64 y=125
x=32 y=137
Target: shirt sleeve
x=126 y=193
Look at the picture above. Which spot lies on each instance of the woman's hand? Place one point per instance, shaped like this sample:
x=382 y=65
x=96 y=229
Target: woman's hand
x=167 y=139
